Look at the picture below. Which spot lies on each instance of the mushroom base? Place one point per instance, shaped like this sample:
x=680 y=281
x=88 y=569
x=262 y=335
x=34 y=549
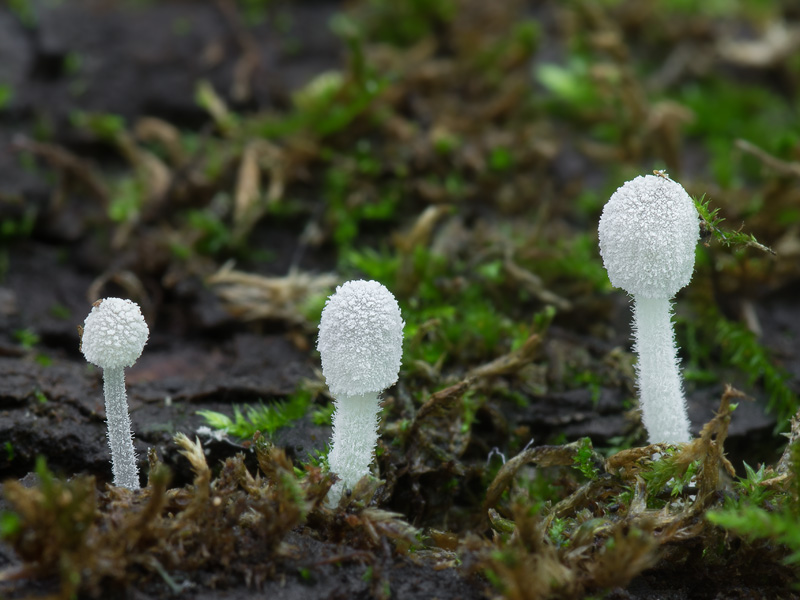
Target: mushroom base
x=355 y=435
x=658 y=375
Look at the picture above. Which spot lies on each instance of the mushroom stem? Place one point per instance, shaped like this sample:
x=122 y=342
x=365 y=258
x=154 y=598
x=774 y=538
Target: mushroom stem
x=355 y=435
x=120 y=436
x=660 y=390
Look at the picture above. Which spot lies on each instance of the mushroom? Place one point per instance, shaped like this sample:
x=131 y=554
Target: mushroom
x=648 y=233
x=360 y=344
x=114 y=335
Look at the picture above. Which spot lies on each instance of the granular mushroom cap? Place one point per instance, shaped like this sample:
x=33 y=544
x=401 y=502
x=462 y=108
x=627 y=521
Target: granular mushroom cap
x=648 y=233
x=360 y=339
x=114 y=333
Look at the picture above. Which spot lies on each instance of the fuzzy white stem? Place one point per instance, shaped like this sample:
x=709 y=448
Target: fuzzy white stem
x=660 y=389
x=355 y=435
x=120 y=438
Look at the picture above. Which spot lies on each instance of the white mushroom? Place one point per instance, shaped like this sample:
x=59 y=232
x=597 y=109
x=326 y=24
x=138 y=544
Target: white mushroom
x=114 y=335
x=361 y=345
x=648 y=233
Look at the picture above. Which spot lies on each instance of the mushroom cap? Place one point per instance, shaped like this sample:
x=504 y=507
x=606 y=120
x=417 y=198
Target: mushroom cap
x=360 y=339
x=648 y=233
x=114 y=333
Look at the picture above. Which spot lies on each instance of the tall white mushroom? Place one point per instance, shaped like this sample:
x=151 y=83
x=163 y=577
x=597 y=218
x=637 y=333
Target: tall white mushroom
x=648 y=233
x=361 y=346
x=114 y=335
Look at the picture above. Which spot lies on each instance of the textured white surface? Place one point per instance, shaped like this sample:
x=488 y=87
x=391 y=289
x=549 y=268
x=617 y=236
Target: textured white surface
x=120 y=438
x=360 y=339
x=648 y=233
x=355 y=435
x=658 y=375
x=114 y=333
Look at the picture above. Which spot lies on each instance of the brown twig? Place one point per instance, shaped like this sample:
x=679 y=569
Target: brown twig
x=773 y=162
x=63 y=159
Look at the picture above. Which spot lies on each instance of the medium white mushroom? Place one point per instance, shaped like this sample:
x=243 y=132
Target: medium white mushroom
x=114 y=335
x=648 y=233
x=361 y=346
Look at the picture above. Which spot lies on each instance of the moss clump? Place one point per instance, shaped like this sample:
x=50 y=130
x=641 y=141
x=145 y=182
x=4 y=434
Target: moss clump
x=217 y=531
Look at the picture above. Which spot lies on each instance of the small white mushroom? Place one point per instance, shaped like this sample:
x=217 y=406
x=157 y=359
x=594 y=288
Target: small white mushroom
x=648 y=233
x=361 y=345
x=114 y=335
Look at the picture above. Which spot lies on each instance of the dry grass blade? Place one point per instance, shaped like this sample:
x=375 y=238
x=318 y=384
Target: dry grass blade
x=420 y=233
x=248 y=191
x=509 y=363
x=152 y=129
x=506 y=475
x=534 y=284
x=129 y=282
x=65 y=160
x=627 y=462
x=208 y=98
x=436 y=439
x=259 y=156
x=783 y=167
x=779 y=42
x=616 y=564
x=528 y=565
x=155 y=175
x=543 y=456
x=193 y=451
x=250 y=297
x=594 y=492
x=419 y=236
x=707 y=451
x=438 y=404
x=391 y=525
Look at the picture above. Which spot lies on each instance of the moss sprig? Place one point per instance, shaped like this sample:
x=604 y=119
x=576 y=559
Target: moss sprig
x=710 y=226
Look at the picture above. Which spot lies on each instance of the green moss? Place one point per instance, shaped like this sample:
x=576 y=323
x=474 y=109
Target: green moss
x=575 y=259
x=404 y=23
x=570 y=85
x=214 y=235
x=501 y=159
x=326 y=106
x=711 y=226
x=267 y=419
x=717 y=8
x=454 y=312
x=21 y=226
x=346 y=210
x=104 y=126
x=24 y=11
x=758 y=114
x=714 y=344
x=26 y=338
x=127 y=199
x=584 y=459
x=72 y=63
x=59 y=311
x=741 y=349
x=322 y=415
x=757 y=512
x=6 y=95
